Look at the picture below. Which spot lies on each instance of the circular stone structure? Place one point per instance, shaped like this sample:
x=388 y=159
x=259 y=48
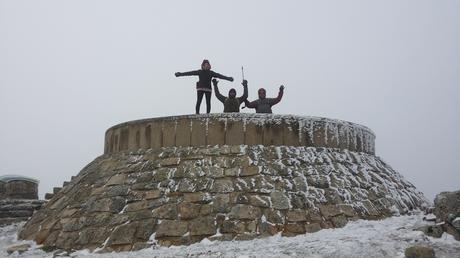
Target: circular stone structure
x=239 y=129
x=178 y=180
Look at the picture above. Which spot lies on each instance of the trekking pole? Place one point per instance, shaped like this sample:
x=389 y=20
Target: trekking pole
x=242 y=74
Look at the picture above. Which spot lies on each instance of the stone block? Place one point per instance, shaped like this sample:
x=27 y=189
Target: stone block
x=222 y=185
x=188 y=210
x=171 y=228
x=145 y=229
x=292 y=229
x=243 y=211
x=272 y=134
x=254 y=134
x=296 y=215
x=221 y=203
x=166 y=211
x=319 y=134
x=114 y=205
x=203 y=226
x=134 y=137
x=156 y=135
x=312 y=227
x=291 y=135
x=329 y=211
x=216 y=132
x=183 y=132
x=332 y=134
x=198 y=134
x=259 y=201
x=234 y=133
x=123 y=234
x=169 y=133
x=233 y=171
x=280 y=201
x=198 y=197
x=250 y=171
x=117 y=179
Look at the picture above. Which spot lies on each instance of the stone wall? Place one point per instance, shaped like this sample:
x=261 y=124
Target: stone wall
x=18 y=189
x=16 y=210
x=18 y=198
x=180 y=195
x=237 y=129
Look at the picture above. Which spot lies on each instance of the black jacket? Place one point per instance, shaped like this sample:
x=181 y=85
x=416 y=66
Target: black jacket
x=205 y=77
x=231 y=104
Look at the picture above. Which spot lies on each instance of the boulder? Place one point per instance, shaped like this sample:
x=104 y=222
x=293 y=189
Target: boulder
x=419 y=251
x=18 y=248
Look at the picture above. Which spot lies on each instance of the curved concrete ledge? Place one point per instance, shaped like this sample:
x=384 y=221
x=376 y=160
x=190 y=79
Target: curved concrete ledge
x=238 y=129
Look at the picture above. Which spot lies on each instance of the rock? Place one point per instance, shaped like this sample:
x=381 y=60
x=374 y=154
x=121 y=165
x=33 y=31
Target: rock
x=339 y=221
x=456 y=223
x=167 y=211
x=279 y=200
x=203 y=226
x=292 y=229
x=188 y=210
x=116 y=180
x=329 y=211
x=433 y=231
x=312 y=228
x=250 y=171
x=243 y=211
x=169 y=162
x=419 y=251
x=222 y=186
x=296 y=215
x=114 y=205
x=259 y=201
x=171 y=228
x=123 y=234
x=447 y=203
x=198 y=197
x=17 y=248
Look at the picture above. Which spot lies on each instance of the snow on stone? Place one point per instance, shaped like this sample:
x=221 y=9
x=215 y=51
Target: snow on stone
x=384 y=238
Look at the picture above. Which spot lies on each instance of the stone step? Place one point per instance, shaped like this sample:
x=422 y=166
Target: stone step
x=48 y=196
x=56 y=190
x=65 y=183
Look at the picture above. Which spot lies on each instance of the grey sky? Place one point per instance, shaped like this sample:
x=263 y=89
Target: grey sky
x=71 y=69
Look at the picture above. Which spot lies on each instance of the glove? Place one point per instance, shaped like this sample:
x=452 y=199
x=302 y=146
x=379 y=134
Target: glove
x=230 y=79
x=214 y=82
x=282 y=88
x=245 y=83
x=177 y=74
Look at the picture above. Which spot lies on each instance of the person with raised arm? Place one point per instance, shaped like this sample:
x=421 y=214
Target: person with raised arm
x=264 y=104
x=231 y=103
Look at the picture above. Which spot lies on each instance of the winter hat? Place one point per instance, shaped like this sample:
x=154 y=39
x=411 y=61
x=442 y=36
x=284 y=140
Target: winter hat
x=205 y=61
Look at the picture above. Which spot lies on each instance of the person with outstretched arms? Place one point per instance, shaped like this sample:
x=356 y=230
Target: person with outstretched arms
x=203 y=86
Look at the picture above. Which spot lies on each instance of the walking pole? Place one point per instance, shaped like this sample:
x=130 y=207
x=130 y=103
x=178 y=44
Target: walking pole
x=242 y=74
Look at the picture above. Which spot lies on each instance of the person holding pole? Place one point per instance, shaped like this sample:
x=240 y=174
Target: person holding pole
x=203 y=86
x=232 y=103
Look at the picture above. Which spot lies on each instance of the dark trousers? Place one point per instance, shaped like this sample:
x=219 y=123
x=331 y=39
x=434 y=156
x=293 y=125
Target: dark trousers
x=199 y=95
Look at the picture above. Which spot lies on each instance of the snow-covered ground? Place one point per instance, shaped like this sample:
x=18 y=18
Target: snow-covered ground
x=385 y=238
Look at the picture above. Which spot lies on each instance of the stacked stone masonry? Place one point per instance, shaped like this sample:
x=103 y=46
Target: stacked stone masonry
x=238 y=129
x=130 y=200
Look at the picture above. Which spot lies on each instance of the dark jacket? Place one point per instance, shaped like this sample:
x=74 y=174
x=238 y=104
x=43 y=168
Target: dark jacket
x=205 y=77
x=264 y=105
x=231 y=105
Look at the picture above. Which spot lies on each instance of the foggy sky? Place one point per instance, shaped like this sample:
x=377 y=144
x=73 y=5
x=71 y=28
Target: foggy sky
x=71 y=69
